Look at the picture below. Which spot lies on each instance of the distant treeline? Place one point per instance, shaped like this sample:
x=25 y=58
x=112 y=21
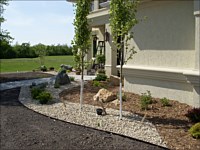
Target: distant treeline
x=25 y=50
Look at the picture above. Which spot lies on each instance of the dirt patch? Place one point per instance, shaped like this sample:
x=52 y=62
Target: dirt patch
x=8 y=77
x=170 y=122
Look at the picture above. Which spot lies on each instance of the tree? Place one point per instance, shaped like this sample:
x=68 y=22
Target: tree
x=40 y=50
x=4 y=35
x=122 y=19
x=81 y=41
x=6 y=49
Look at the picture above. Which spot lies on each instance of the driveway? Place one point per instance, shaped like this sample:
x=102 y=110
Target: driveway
x=22 y=128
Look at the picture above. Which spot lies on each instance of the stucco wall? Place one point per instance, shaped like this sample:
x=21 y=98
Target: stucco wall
x=167 y=37
x=111 y=60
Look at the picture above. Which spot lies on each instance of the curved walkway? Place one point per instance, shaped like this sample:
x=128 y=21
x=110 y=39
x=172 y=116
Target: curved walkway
x=22 y=128
x=15 y=84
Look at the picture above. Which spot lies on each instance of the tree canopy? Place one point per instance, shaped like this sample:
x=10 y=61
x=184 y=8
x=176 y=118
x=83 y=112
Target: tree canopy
x=4 y=34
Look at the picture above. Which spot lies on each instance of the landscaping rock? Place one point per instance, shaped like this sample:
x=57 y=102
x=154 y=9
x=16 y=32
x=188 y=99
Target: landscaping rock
x=116 y=102
x=104 y=96
x=62 y=78
x=66 y=67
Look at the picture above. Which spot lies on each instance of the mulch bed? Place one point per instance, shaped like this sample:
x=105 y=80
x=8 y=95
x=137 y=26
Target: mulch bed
x=8 y=77
x=171 y=122
x=22 y=128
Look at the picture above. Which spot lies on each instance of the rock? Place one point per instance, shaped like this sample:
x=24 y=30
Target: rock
x=62 y=78
x=114 y=80
x=104 y=96
x=66 y=67
x=116 y=102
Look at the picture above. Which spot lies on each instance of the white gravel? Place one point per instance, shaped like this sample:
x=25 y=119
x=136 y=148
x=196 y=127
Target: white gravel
x=130 y=124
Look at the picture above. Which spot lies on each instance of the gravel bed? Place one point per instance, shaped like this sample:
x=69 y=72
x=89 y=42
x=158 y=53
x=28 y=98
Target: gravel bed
x=130 y=124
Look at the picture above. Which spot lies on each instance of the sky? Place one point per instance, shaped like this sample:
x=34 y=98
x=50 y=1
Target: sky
x=47 y=22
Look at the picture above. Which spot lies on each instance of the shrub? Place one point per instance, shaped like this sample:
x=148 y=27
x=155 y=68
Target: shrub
x=96 y=83
x=101 y=77
x=165 y=101
x=193 y=115
x=71 y=78
x=35 y=92
x=101 y=58
x=56 y=85
x=43 y=68
x=44 y=97
x=101 y=71
x=145 y=100
x=195 y=130
x=68 y=71
x=51 y=68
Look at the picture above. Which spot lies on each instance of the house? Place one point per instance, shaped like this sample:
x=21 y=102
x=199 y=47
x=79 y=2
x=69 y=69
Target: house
x=167 y=61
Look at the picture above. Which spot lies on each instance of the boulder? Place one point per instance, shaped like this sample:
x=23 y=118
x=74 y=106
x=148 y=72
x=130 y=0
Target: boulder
x=104 y=96
x=116 y=102
x=66 y=67
x=62 y=78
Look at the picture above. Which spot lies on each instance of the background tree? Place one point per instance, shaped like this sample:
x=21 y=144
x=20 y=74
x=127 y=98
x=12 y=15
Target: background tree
x=40 y=50
x=5 y=47
x=4 y=35
x=122 y=20
x=81 y=41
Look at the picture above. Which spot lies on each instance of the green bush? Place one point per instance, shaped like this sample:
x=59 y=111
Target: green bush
x=72 y=78
x=51 y=68
x=195 y=131
x=68 y=71
x=44 y=97
x=145 y=100
x=56 y=85
x=101 y=71
x=35 y=92
x=96 y=83
x=43 y=68
x=165 y=101
x=101 y=59
x=101 y=77
x=193 y=115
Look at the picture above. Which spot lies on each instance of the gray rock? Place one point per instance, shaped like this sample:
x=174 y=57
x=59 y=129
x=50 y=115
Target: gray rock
x=62 y=78
x=66 y=67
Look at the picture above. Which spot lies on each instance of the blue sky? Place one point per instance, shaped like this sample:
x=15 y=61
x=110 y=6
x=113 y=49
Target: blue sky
x=47 y=22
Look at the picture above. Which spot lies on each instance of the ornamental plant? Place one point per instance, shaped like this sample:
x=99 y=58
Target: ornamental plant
x=81 y=41
x=122 y=20
x=44 y=97
x=165 y=102
x=36 y=91
x=193 y=115
x=195 y=131
x=145 y=100
x=101 y=77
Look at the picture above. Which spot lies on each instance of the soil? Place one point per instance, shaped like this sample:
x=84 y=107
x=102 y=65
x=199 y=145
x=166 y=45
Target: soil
x=22 y=128
x=5 y=77
x=170 y=121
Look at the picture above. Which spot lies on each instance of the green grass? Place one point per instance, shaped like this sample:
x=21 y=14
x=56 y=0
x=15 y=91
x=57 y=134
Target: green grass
x=29 y=64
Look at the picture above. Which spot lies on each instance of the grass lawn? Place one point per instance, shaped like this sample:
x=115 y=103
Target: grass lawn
x=28 y=64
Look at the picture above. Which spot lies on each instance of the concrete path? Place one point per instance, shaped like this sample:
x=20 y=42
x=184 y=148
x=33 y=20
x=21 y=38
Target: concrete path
x=15 y=84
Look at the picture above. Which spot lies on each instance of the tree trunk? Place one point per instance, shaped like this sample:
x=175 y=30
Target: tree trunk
x=82 y=82
x=120 y=84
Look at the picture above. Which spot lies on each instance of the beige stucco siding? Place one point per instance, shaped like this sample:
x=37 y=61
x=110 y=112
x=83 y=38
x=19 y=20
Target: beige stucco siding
x=167 y=37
